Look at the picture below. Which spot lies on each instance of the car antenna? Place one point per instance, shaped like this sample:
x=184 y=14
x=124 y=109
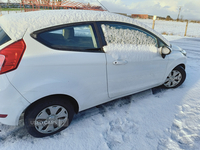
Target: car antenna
x=103 y=6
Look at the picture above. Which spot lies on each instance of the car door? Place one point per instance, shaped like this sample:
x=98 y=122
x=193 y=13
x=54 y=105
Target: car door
x=133 y=59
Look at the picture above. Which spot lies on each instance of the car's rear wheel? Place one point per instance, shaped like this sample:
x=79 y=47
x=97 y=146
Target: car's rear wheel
x=175 y=78
x=48 y=116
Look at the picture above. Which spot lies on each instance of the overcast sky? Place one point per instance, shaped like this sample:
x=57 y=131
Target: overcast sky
x=190 y=9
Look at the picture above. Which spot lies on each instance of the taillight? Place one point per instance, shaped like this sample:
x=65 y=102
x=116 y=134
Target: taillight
x=11 y=55
x=3 y=115
x=2 y=59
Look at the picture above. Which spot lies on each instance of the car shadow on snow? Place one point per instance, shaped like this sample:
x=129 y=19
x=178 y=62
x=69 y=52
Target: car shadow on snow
x=121 y=102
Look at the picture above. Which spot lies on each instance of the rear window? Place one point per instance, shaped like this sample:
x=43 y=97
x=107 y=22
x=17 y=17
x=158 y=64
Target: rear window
x=3 y=37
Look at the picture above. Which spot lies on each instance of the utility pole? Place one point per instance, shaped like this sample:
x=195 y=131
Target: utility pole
x=154 y=20
x=179 y=12
x=186 y=28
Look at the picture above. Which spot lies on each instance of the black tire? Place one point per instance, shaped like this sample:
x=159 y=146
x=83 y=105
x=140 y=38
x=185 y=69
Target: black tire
x=175 y=78
x=48 y=116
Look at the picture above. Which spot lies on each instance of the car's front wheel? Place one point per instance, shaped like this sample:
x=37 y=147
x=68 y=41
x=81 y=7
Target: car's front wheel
x=48 y=117
x=175 y=78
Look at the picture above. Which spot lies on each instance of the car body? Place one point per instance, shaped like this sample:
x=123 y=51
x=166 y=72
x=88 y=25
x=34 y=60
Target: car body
x=80 y=59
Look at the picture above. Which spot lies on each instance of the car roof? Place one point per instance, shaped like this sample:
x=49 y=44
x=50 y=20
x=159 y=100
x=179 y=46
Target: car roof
x=16 y=25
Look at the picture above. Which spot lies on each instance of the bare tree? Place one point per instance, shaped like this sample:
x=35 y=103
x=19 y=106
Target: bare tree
x=168 y=18
x=179 y=12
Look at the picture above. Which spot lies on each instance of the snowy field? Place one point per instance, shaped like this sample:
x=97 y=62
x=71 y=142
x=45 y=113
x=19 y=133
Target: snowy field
x=168 y=120
x=9 y=12
x=173 y=27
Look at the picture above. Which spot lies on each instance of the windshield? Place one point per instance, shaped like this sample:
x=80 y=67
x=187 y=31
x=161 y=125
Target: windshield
x=3 y=37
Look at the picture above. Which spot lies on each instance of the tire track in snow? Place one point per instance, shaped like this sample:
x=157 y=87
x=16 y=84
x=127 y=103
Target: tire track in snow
x=10 y=134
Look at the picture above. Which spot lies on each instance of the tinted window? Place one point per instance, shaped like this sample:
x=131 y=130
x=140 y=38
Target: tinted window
x=3 y=37
x=79 y=37
x=125 y=34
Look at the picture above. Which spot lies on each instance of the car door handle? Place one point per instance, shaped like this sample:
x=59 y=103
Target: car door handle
x=120 y=62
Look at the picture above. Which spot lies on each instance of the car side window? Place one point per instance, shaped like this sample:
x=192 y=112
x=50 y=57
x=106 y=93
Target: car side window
x=116 y=33
x=160 y=43
x=3 y=37
x=77 y=37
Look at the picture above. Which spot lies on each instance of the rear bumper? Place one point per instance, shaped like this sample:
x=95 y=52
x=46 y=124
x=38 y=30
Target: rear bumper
x=12 y=103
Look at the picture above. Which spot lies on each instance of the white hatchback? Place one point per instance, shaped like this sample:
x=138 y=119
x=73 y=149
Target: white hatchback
x=54 y=64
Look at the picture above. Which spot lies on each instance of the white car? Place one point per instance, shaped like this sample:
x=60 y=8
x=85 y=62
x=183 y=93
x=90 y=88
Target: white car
x=54 y=64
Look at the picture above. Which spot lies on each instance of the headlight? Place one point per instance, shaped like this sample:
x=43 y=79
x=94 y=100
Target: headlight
x=184 y=52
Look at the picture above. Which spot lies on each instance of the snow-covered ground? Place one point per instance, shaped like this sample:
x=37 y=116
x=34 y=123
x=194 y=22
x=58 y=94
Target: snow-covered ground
x=9 y=12
x=168 y=120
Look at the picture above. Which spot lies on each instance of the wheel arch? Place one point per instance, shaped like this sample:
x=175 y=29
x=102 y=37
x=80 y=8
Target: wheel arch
x=173 y=64
x=65 y=97
x=182 y=65
x=171 y=67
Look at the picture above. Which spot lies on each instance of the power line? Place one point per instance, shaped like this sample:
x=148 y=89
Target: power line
x=103 y=6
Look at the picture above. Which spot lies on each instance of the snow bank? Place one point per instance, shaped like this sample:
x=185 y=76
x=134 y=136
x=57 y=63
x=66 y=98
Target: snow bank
x=17 y=24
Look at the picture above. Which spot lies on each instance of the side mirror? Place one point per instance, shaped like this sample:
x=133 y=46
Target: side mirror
x=165 y=51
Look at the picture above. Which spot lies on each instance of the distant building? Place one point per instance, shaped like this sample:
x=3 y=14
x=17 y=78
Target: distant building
x=142 y=16
x=10 y=5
